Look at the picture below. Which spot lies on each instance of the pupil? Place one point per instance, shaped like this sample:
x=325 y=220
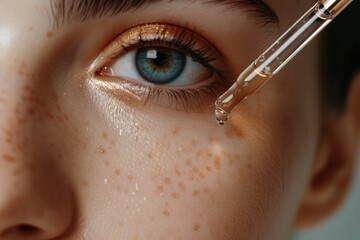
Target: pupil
x=160 y=60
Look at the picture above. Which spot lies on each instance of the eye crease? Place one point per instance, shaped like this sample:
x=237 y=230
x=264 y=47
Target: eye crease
x=169 y=66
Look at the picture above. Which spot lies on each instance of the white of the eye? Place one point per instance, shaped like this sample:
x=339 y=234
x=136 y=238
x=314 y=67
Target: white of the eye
x=125 y=67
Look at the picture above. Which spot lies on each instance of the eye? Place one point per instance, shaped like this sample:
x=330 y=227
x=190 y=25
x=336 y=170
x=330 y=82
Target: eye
x=161 y=66
x=164 y=66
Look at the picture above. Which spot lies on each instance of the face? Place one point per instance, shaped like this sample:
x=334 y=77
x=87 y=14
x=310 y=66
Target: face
x=107 y=128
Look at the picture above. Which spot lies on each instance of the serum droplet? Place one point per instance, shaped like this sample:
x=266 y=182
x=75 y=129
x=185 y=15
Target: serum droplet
x=221 y=116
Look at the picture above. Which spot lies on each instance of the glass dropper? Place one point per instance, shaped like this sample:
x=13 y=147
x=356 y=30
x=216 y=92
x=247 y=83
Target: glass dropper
x=278 y=55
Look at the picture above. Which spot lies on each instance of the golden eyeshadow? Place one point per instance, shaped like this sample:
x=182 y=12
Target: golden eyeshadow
x=161 y=33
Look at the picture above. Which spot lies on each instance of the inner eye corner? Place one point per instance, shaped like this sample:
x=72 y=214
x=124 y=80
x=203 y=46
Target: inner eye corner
x=105 y=71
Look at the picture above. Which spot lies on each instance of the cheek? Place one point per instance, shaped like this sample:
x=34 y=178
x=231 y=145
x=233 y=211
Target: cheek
x=179 y=176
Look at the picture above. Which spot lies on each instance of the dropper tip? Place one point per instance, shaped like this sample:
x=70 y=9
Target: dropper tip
x=221 y=116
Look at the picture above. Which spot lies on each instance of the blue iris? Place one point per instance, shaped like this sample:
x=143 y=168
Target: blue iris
x=160 y=65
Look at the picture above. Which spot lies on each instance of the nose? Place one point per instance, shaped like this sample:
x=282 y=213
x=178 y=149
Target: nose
x=35 y=196
x=33 y=203
x=36 y=200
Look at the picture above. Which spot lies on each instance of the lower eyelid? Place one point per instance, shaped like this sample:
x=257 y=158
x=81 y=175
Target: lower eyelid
x=120 y=91
x=191 y=100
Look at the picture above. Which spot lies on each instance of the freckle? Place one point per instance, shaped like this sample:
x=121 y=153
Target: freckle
x=23 y=121
x=23 y=65
x=8 y=158
x=17 y=110
x=209 y=154
x=208 y=168
x=217 y=163
x=85 y=183
x=117 y=172
x=176 y=131
x=49 y=34
x=195 y=170
x=202 y=176
x=105 y=135
x=31 y=28
x=229 y=134
x=18 y=171
x=206 y=190
x=101 y=150
x=31 y=111
x=182 y=186
x=177 y=172
x=83 y=145
x=112 y=142
x=130 y=177
x=121 y=225
x=188 y=162
x=167 y=181
x=195 y=193
x=196 y=227
x=149 y=156
x=175 y=195
x=193 y=142
x=107 y=164
x=166 y=213
x=213 y=139
x=160 y=188
x=249 y=166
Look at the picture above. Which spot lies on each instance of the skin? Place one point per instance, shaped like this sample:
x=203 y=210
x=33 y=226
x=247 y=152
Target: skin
x=76 y=162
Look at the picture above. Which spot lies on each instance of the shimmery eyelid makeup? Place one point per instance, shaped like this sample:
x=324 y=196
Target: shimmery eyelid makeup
x=157 y=34
x=193 y=98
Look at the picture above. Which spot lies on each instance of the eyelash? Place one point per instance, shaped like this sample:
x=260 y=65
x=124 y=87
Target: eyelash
x=179 y=42
x=190 y=99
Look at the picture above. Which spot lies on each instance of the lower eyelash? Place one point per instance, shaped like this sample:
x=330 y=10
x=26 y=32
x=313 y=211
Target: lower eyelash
x=186 y=100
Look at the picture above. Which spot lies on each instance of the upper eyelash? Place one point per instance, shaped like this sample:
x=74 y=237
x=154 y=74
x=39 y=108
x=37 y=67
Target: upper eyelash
x=181 y=42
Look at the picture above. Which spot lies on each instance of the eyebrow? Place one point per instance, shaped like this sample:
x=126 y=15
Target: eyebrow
x=66 y=12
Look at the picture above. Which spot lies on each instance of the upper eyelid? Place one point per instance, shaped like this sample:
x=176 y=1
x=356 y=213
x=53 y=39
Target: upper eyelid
x=116 y=48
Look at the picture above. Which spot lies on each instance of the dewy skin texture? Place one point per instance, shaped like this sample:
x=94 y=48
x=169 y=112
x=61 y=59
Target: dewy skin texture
x=91 y=152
